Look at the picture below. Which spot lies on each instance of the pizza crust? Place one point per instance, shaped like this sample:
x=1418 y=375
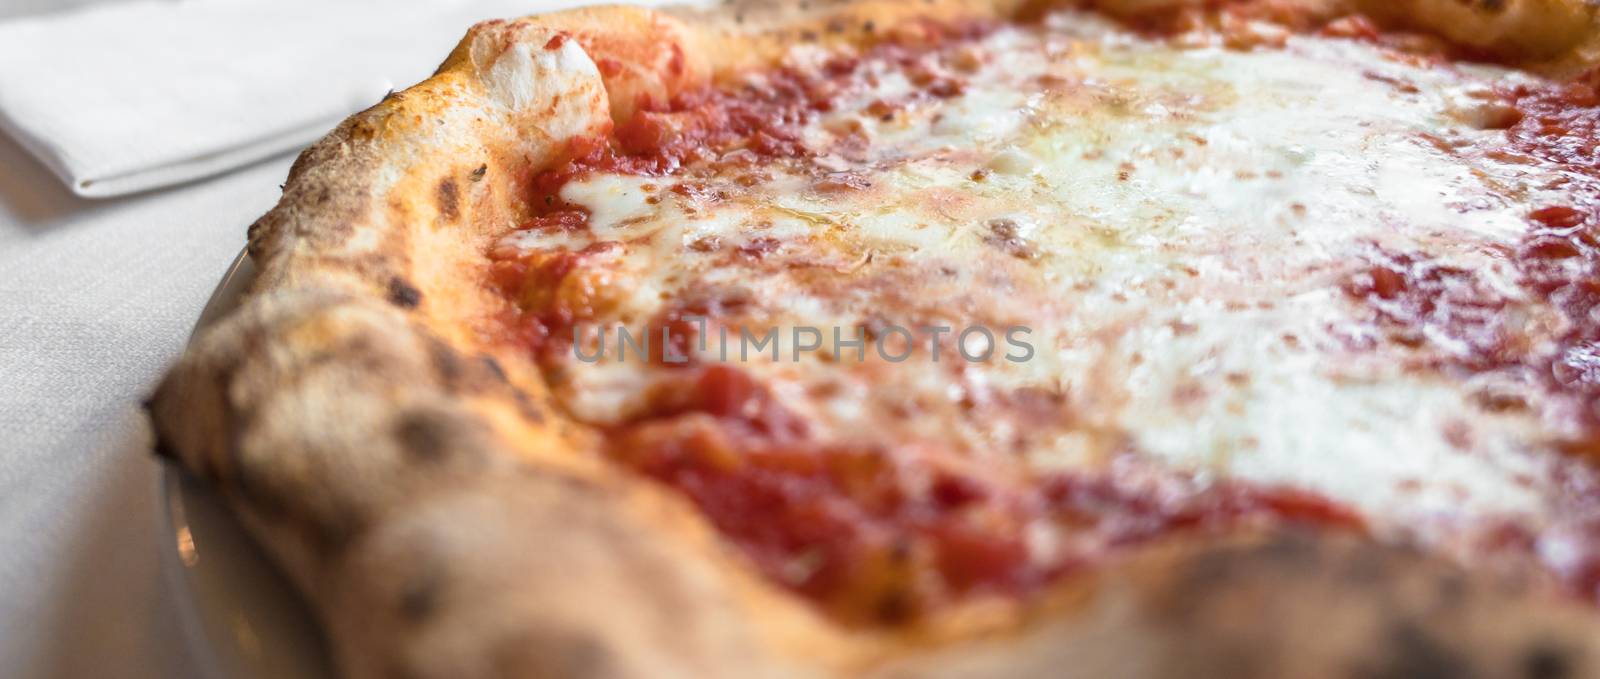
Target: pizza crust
x=1557 y=36
x=1287 y=605
x=445 y=521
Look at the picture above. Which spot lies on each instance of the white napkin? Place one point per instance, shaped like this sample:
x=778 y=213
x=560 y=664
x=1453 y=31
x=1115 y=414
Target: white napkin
x=127 y=97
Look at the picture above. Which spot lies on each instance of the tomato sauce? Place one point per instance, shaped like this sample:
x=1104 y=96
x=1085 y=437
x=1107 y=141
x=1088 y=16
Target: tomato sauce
x=875 y=532
x=760 y=118
x=1559 y=258
x=1557 y=261
x=885 y=533
x=1472 y=328
x=548 y=297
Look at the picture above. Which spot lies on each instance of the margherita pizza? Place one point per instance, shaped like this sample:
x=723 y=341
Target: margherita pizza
x=953 y=338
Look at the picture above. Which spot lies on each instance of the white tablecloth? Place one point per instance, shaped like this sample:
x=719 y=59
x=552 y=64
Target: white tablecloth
x=96 y=298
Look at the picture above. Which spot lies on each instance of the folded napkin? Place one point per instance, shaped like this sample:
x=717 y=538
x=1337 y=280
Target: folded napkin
x=132 y=96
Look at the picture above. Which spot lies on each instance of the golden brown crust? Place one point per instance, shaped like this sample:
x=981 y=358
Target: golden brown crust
x=1557 y=37
x=1561 y=36
x=1292 y=605
x=446 y=522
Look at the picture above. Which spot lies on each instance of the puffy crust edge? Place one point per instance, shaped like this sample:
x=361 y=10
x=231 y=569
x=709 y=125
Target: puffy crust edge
x=415 y=483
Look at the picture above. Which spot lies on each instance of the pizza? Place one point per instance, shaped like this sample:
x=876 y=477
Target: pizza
x=957 y=338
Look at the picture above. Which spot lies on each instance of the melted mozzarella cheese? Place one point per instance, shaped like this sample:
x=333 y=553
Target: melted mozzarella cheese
x=1172 y=225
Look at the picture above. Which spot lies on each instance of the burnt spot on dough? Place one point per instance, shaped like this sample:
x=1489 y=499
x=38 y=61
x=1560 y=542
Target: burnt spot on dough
x=458 y=373
x=403 y=294
x=1450 y=591
x=551 y=652
x=331 y=533
x=420 y=595
x=477 y=175
x=527 y=407
x=495 y=369
x=1546 y=660
x=1409 y=652
x=428 y=435
x=1365 y=568
x=449 y=199
x=442 y=434
x=447 y=364
x=1214 y=568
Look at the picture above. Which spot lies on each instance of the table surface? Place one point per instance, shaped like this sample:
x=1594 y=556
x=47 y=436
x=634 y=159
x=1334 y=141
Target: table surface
x=96 y=299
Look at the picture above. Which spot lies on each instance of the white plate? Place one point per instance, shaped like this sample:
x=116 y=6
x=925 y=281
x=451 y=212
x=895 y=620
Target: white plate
x=241 y=617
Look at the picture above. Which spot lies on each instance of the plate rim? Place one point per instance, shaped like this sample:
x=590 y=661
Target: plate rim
x=212 y=655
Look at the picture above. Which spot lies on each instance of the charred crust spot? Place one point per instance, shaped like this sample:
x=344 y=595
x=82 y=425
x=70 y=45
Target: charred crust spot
x=894 y=606
x=449 y=199
x=551 y=653
x=1410 y=653
x=1211 y=568
x=332 y=533
x=419 y=598
x=477 y=175
x=1450 y=591
x=403 y=294
x=447 y=363
x=425 y=435
x=1547 y=661
x=1365 y=568
x=495 y=369
x=528 y=408
x=1293 y=548
x=432 y=434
